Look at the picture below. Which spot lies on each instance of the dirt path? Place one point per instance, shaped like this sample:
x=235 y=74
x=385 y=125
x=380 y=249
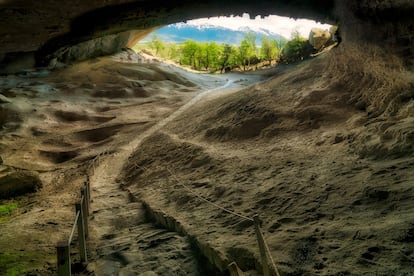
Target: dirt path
x=119 y=231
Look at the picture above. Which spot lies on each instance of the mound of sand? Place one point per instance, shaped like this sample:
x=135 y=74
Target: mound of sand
x=292 y=150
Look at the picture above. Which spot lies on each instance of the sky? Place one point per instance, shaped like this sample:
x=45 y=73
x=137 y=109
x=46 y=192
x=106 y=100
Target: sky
x=283 y=26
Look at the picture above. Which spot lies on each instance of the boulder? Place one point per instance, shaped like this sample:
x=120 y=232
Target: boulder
x=18 y=182
x=319 y=38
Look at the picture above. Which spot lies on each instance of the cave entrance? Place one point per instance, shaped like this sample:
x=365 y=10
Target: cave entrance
x=236 y=43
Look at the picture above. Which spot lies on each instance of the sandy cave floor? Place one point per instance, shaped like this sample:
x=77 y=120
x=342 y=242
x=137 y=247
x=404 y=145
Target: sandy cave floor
x=279 y=148
x=59 y=122
x=282 y=149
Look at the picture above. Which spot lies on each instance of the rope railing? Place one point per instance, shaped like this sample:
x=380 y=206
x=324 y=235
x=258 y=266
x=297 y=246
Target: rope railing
x=97 y=159
x=265 y=254
x=208 y=201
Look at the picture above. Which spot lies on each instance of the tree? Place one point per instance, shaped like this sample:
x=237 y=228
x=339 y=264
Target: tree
x=244 y=53
x=251 y=39
x=270 y=49
x=212 y=52
x=189 y=49
x=156 y=44
x=247 y=49
x=227 y=58
x=296 y=49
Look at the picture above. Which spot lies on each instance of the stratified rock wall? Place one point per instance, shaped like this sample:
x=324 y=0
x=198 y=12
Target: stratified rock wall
x=46 y=26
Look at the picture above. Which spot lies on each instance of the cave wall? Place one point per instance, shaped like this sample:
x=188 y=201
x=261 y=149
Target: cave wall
x=46 y=27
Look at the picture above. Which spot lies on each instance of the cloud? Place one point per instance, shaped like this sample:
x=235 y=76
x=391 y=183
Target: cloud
x=273 y=24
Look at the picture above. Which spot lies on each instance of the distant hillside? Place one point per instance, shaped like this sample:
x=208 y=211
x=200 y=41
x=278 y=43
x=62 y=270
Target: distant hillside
x=180 y=33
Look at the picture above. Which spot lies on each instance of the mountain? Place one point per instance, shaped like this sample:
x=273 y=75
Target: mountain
x=180 y=32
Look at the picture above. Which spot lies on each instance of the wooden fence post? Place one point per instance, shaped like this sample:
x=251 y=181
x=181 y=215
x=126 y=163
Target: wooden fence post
x=84 y=215
x=88 y=188
x=81 y=234
x=63 y=259
x=261 y=242
x=84 y=195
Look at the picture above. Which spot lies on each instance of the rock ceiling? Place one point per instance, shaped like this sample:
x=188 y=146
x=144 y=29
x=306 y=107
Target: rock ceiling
x=49 y=24
x=46 y=26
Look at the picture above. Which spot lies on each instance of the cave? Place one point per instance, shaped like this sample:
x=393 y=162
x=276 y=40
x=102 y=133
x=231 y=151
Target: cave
x=322 y=150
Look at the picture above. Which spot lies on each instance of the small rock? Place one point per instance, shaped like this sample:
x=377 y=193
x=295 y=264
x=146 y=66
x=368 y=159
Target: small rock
x=18 y=183
x=318 y=38
x=338 y=138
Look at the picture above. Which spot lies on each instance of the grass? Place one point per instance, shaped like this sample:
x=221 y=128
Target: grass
x=12 y=264
x=6 y=210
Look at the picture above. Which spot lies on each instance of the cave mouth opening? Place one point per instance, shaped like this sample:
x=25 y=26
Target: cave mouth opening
x=240 y=41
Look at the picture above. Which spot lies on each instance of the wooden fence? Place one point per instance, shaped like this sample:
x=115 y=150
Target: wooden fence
x=64 y=264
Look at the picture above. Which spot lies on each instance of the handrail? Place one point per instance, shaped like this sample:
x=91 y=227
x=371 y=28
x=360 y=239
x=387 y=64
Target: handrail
x=63 y=247
x=81 y=223
x=73 y=227
x=265 y=254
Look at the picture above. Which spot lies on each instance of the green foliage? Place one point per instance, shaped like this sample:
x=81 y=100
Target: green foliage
x=213 y=57
x=228 y=57
x=270 y=49
x=11 y=264
x=157 y=45
x=174 y=52
x=16 y=263
x=296 y=49
x=190 y=50
x=247 y=49
x=6 y=210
